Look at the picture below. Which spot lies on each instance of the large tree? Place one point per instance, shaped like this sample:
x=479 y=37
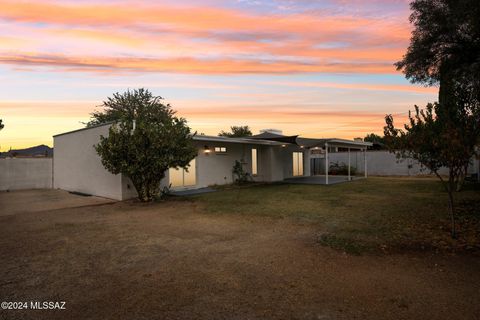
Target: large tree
x=445 y=46
x=144 y=141
x=237 y=132
x=445 y=51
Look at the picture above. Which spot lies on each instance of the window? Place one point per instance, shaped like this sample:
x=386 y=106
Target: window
x=220 y=149
x=298 y=164
x=254 y=162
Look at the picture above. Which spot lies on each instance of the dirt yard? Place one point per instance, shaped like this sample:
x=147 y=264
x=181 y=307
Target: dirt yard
x=172 y=260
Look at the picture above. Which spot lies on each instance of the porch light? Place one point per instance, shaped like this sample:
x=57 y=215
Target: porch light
x=284 y=145
x=206 y=149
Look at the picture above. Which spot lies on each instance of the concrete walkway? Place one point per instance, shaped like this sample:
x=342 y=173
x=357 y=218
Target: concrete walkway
x=192 y=192
x=37 y=200
x=320 y=179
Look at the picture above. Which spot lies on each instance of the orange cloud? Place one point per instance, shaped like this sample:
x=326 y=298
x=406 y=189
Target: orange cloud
x=202 y=39
x=192 y=65
x=99 y=35
x=197 y=18
x=356 y=86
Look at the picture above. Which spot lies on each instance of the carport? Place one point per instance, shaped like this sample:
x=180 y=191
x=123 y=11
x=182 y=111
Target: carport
x=325 y=146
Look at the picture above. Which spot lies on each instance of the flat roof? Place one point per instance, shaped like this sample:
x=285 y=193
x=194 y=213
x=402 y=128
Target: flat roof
x=305 y=142
x=201 y=137
x=86 y=128
x=333 y=142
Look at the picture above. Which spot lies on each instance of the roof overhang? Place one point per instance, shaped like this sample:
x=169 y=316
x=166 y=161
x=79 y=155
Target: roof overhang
x=235 y=140
x=333 y=142
x=343 y=143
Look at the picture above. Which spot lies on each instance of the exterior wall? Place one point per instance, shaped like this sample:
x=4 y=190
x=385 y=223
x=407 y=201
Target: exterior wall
x=274 y=162
x=282 y=162
x=25 y=173
x=381 y=163
x=77 y=167
x=216 y=168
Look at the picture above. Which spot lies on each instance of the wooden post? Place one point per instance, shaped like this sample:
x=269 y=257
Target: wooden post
x=348 y=164
x=365 y=160
x=326 y=163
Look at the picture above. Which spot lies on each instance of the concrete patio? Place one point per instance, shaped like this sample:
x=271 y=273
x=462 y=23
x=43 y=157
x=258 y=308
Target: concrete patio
x=320 y=179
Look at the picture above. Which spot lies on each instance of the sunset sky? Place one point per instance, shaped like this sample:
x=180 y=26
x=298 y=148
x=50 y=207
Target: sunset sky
x=318 y=68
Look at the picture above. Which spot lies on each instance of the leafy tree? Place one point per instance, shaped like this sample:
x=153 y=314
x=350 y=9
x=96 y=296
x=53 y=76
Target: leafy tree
x=444 y=50
x=430 y=139
x=1 y=124
x=378 y=141
x=145 y=140
x=445 y=46
x=372 y=137
x=237 y=132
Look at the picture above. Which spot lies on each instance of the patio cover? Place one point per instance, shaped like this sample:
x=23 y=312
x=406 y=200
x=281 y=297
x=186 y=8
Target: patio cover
x=332 y=142
x=310 y=142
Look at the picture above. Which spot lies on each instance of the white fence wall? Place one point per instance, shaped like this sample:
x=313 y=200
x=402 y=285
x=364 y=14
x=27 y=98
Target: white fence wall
x=386 y=163
x=25 y=173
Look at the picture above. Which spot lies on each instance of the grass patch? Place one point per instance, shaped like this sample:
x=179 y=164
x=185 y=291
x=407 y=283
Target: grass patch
x=348 y=245
x=380 y=212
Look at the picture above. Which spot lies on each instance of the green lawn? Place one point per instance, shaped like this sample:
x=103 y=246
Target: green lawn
x=388 y=214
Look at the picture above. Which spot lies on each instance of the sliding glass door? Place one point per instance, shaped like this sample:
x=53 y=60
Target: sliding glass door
x=181 y=178
x=297 y=164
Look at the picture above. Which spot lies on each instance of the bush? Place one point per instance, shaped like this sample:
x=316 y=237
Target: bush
x=341 y=169
x=241 y=176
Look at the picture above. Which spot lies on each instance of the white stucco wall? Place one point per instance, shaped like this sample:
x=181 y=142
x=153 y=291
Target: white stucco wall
x=77 y=167
x=274 y=162
x=25 y=173
x=384 y=163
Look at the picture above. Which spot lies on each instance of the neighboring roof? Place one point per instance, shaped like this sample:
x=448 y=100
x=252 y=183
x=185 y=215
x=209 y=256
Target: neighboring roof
x=201 y=137
x=276 y=137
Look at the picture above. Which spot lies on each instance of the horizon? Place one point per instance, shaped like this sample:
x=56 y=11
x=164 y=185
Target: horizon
x=313 y=68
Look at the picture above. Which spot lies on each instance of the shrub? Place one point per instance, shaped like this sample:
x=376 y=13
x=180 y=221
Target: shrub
x=341 y=169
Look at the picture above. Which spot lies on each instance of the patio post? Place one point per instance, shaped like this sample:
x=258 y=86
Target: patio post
x=348 y=164
x=326 y=162
x=365 y=160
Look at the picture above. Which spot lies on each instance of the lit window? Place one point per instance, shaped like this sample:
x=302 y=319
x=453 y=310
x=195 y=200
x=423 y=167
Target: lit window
x=297 y=164
x=254 y=162
x=220 y=149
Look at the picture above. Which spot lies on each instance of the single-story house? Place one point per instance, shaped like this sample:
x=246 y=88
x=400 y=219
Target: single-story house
x=267 y=157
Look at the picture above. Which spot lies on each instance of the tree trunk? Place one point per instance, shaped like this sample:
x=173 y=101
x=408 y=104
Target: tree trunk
x=140 y=187
x=451 y=210
x=451 y=189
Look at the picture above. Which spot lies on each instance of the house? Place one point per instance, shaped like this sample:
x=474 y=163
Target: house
x=267 y=157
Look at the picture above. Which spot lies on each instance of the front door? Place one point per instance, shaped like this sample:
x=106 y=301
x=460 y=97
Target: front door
x=297 y=164
x=181 y=178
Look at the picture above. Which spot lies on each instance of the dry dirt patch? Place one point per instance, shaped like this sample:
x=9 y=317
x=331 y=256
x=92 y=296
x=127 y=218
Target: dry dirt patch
x=22 y=201
x=172 y=261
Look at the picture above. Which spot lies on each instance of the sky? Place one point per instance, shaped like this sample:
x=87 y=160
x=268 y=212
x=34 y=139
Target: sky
x=317 y=68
